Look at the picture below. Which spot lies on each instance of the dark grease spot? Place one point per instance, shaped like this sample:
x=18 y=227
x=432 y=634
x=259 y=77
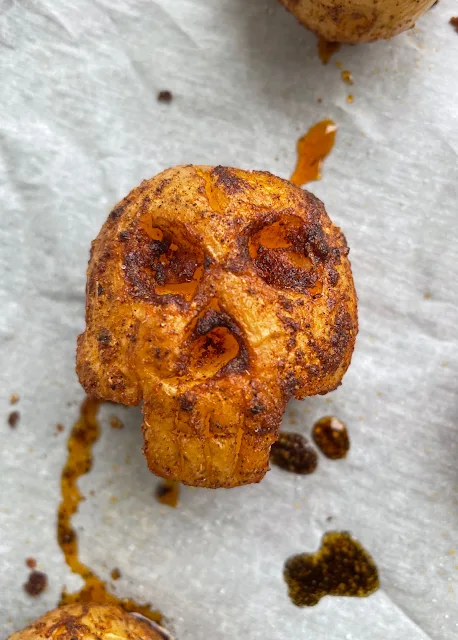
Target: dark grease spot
x=331 y=437
x=341 y=567
x=293 y=452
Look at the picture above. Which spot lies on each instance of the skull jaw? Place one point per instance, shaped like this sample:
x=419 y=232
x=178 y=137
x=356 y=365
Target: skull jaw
x=219 y=437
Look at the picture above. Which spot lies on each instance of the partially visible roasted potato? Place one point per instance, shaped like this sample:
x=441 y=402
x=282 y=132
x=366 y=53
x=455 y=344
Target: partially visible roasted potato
x=89 y=622
x=357 y=20
x=214 y=295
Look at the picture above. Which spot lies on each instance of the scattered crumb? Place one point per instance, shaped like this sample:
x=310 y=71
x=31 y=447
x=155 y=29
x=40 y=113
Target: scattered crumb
x=444 y=363
x=164 y=96
x=292 y=421
x=36 y=584
x=451 y=552
x=297 y=506
x=59 y=427
x=350 y=98
x=454 y=23
x=31 y=563
x=329 y=518
x=339 y=64
x=14 y=398
x=427 y=296
x=13 y=418
x=115 y=467
x=113 y=499
x=116 y=423
x=319 y=100
x=347 y=77
x=115 y=574
x=92 y=492
x=127 y=459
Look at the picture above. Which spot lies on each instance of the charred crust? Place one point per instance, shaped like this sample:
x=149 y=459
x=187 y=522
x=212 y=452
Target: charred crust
x=257 y=408
x=117 y=212
x=104 y=336
x=161 y=186
x=99 y=289
x=187 y=401
x=229 y=181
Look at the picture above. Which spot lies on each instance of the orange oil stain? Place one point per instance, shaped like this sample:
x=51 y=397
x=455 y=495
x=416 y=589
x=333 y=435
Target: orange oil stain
x=327 y=49
x=312 y=149
x=83 y=436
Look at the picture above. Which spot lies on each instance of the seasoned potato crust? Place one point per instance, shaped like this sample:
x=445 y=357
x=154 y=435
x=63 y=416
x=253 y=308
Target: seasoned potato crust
x=214 y=295
x=88 y=622
x=357 y=20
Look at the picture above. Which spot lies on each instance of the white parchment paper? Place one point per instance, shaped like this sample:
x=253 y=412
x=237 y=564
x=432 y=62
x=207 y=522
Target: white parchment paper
x=79 y=127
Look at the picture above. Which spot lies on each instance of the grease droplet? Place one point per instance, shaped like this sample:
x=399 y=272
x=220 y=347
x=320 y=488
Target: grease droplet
x=331 y=437
x=293 y=452
x=327 y=49
x=168 y=492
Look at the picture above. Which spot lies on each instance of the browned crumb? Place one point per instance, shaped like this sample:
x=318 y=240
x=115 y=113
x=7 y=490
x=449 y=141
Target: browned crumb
x=454 y=23
x=164 y=96
x=59 y=427
x=14 y=398
x=36 y=584
x=31 y=563
x=13 y=418
x=116 y=423
x=115 y=574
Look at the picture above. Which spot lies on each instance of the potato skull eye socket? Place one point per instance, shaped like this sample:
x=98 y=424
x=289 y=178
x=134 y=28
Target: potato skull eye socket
x=159 y=263
x=283 y=255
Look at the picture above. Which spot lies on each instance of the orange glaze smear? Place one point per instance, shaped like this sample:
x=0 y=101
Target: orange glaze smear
x=327 y=49
x=168 y=492
x=312 y=149
x=83 y=436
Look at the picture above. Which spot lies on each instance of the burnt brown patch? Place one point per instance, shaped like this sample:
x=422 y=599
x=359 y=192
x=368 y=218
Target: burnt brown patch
x=104 y=336
x=288 y=253
x=187 y=401
x=229 y=180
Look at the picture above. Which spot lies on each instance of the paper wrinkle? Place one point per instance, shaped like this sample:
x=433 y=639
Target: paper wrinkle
x=79 y=127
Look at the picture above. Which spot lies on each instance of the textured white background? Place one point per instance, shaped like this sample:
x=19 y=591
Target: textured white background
x=79 y=127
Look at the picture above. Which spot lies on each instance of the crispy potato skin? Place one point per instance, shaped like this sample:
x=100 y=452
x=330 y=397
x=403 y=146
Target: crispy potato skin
x=215 y=295
x=356 y=21
x=88 y=622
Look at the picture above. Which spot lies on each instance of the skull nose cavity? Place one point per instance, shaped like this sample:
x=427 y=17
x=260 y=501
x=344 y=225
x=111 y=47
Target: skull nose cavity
x=162 y=262
x=283 y=256
x=216 y=345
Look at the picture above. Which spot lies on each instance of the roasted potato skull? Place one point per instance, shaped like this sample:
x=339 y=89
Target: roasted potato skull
x=214 y=295
x=90 y=622
x=357 y=20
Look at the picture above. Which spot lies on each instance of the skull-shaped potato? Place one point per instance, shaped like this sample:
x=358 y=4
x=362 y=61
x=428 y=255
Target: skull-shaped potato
x=91 y=621
x=214 y=296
